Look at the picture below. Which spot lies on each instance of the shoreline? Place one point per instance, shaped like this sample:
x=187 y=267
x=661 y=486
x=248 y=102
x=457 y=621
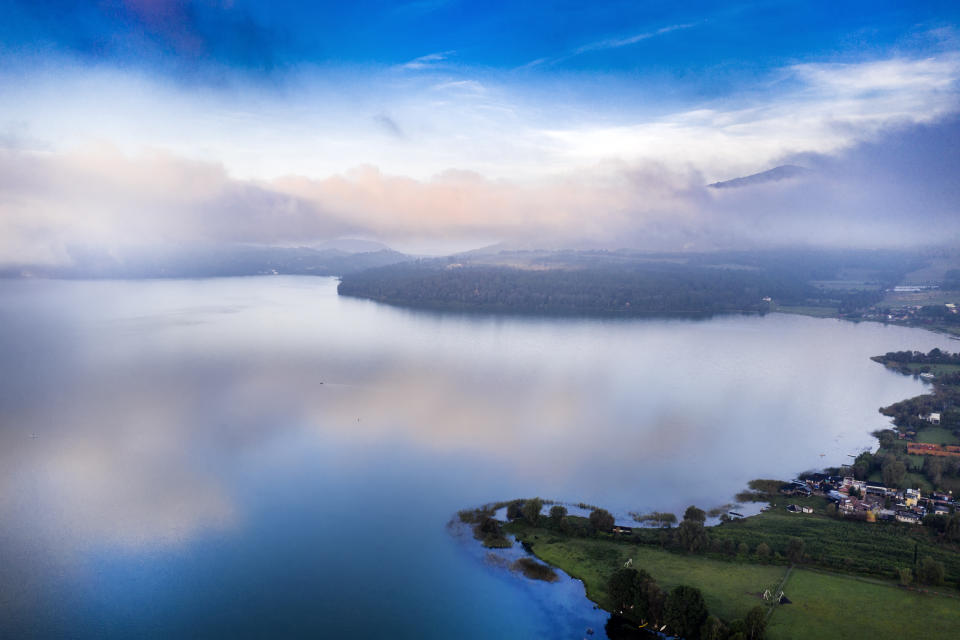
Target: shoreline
x=581 y=555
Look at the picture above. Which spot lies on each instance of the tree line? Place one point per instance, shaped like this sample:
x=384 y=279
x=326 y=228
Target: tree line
x=634 y=290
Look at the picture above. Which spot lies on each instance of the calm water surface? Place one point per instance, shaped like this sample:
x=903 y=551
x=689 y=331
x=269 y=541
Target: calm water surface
x=256 y=457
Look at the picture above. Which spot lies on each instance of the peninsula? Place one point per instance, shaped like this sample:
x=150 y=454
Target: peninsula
x=838 y=553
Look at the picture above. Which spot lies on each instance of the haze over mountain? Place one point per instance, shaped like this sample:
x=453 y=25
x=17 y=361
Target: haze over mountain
x=783 y=172
x=140 y=126
x=218 y=260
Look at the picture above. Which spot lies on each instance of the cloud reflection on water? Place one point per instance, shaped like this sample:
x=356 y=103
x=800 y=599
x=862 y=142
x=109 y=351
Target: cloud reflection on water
x=130 y=410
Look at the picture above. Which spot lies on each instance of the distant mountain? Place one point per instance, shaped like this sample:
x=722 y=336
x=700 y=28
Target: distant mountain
x=209 y=262
x=783 y=172
x=353 y=245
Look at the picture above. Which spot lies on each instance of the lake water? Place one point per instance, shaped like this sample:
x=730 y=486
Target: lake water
x=257 y=457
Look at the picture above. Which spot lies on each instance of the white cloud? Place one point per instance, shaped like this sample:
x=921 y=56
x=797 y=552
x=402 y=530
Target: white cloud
x=827 y=107
x=427 y=61
x=616 y=43
x=476 y=158
x=319 y=124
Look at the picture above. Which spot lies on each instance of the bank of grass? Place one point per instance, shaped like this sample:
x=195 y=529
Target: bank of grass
x=534 y=570
x=836 y=606
x=730 y=589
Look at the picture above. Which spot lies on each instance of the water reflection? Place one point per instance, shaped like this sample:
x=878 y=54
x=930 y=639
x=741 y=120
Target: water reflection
x=136 y=416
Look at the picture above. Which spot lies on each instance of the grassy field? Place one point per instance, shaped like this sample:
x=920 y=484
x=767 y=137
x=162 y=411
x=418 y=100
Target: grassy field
x=937 y=435
x=858 y=547
x=846 y=285
x=824 y=605
x=730 y=589
x=936 y=369
x=834 y=606
x=920 y=298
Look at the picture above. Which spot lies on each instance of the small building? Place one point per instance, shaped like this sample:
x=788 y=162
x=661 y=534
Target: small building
x=876 y=489
x=625 y=530
x=807 y=509
x=795 y=488
x=907 y=517
x=932 y=418
x=941 y=510
x=911 y=497
x=836 y=496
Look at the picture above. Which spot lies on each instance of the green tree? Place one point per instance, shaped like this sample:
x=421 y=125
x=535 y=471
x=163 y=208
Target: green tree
x=635 y=594
x=656 y=599
x=863 y=465
x=531 y=510
x=601 y=520
x=684 y=612
x=743 y=549
x=763 y=552
x=894 y=472
x=952 y=530
x=931 y=572
x=666 y=519
x=488 y=530
x=623 y=588
x=887 y=438
x=795 y=549
x=737 y=629
x=558 y=515
x=514 y=509
x=756 y=623
x=691 y=534
x=933 y=467
x=664 y=537
x=713 y=629
x=694 y=514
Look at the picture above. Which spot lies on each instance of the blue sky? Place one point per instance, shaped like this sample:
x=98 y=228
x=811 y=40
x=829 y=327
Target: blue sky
x=690 y=40
x=336 y=104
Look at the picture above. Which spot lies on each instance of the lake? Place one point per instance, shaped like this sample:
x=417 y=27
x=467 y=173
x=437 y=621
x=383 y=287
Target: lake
x=258 y=457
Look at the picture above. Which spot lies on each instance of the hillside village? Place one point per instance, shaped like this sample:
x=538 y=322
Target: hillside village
x=869 y=501
x=912 y=476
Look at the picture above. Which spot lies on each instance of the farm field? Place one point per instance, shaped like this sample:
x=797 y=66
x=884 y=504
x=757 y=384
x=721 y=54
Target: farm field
x=731 y=589
x=844 y=607
x=823 y=605
x=937 y=435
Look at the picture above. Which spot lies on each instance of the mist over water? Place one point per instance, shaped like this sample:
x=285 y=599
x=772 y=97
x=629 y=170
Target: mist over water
x=257 y=456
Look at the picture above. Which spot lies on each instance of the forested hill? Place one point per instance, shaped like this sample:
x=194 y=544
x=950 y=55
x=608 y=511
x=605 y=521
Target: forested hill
x=626 y=290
